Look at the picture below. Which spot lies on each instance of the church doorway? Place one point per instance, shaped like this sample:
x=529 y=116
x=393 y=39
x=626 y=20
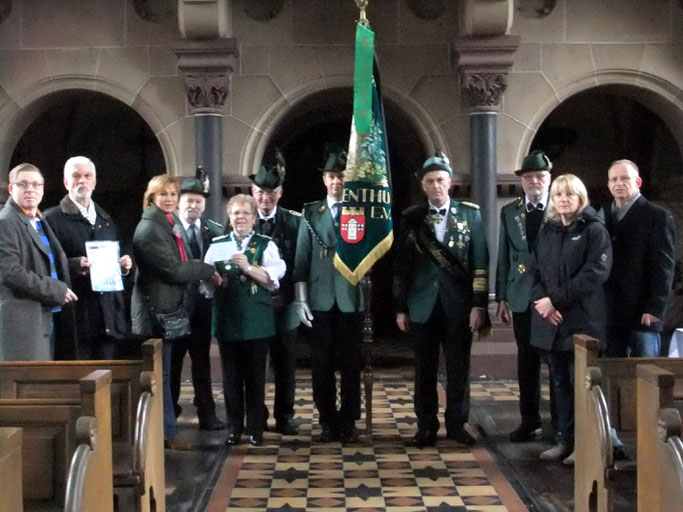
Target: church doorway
x=113 y=135
x=325 y=117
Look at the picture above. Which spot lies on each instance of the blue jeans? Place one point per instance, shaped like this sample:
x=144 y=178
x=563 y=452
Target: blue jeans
x=644 y=344
x=170 y=423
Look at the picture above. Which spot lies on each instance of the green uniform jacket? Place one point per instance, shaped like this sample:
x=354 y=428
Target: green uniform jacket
x=314 y=263
x=513 y=276
x=162 y=278
x=284 y=235
x=243 y=310
x=419 y=281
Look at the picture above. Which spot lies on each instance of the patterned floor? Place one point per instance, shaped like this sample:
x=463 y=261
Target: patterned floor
x=293 y=474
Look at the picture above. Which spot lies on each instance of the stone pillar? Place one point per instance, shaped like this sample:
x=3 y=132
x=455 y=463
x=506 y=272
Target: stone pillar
x=483 y=64
x=206 y=66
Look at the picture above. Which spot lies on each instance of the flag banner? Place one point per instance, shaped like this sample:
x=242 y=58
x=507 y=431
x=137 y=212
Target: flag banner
x=366 y=228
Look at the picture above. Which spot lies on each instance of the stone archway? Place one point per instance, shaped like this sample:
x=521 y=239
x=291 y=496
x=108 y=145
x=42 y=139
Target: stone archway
x=120 y=142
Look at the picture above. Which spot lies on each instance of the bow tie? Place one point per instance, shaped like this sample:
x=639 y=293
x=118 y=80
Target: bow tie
x=434 y=211
x=530 y=207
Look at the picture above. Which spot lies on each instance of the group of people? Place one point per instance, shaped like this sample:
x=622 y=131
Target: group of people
x=562 y=269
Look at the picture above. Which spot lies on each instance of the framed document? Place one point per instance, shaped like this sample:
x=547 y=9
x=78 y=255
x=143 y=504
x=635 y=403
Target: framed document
x=105 y=270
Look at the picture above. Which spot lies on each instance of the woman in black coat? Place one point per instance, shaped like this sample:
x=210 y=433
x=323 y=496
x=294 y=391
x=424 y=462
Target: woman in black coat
x=164 y=280
x=573 y=261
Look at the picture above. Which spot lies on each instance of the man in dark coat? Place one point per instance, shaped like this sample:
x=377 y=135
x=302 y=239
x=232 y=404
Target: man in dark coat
x=197 y=233
x=520 y=221
x=441 y=295
x=101 y=324
x=34 y=277
x=642 y=236
x=282 y=225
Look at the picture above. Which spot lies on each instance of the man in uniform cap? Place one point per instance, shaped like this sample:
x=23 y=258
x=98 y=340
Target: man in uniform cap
x=441 y=295
x=520 y=221
x=332 y=306
x=282 y=225
x=197 y=235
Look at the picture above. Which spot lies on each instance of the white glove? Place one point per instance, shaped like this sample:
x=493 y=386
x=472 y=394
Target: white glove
x=301 y=301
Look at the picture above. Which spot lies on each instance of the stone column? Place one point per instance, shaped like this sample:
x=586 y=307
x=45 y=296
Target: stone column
x=483 y=64
x=206 y=66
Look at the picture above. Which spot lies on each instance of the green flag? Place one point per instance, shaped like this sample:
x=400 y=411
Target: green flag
x=366 y=228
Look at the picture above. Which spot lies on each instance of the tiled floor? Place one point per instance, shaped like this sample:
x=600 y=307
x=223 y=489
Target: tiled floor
x=293 y=474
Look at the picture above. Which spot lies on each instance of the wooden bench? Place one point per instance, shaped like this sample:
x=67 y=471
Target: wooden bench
x=51 y=431
x=660 y=450
x=137 y=413
x=10 y=470
x=605 y=396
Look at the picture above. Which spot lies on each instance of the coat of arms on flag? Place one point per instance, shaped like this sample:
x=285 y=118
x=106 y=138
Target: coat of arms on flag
x=352 y=226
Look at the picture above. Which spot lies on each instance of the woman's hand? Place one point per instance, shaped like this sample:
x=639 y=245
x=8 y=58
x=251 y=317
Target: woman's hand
x=241 y=261
x=546 y=309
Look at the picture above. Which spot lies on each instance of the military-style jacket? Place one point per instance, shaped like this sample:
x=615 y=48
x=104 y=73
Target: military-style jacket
x=419 y=281
x=284 y=233
x=513 y=277
x=314 y=263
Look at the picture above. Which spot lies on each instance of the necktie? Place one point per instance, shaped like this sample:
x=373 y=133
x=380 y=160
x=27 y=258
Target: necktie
x=194 y=243
x=266 y=225
x=337 y=212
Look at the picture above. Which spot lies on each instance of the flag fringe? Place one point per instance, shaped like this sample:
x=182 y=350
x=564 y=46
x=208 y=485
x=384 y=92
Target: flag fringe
x=354 y=276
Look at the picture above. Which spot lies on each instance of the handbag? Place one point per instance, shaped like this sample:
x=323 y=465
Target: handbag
x=173 y=323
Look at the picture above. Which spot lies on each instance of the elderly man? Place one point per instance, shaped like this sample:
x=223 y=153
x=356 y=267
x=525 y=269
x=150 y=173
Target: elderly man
x=34 y=274
x=282 y=225
x=101 y=323
x=441 y=295
x=198 y=233
x=333 y=307
x=520 y=221
x=643 y=249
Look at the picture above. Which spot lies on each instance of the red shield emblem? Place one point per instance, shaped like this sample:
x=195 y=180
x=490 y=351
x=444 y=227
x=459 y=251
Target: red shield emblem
x=352 y=227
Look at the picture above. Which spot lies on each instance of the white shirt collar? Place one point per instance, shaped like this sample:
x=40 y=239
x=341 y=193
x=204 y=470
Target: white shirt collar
x=541 y=205
x=267 y=217
x=186 y=225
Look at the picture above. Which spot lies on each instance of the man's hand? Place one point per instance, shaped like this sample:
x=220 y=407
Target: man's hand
x=70 y=296
x=476 y=319
x=403 y=322
x=647 y=319
x=85 y=266
x=502 y=312
x=126 y=263
x=216 y=279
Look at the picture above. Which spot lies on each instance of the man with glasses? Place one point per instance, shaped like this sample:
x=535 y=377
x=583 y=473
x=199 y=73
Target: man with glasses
x=520 y=222
x=643 y=248
x=101 y=324
x=34 y=275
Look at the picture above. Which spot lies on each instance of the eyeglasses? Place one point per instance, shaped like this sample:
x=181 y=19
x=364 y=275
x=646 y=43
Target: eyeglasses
x=26 y=184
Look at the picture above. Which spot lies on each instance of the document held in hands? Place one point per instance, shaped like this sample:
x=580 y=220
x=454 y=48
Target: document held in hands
x=105 y=270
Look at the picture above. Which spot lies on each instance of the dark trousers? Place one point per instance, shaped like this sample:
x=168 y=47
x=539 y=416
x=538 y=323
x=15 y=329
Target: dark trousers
x=283 y=360
x=456 y=340
x=244 y=380
x=102 y=348
x=562 y=373
x=198 y=344
x=528 y=370
x=336 y=344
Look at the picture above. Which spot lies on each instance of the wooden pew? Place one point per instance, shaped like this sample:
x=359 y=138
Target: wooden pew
x=137 y=413
x=10 y=470
x=605 y=391
x=50 y=434
x=660 y=450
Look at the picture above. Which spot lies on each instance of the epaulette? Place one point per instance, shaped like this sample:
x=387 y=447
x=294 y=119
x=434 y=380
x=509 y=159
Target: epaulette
x=214 y=223
x=222 y=238
x=263 y=236
x=311 y=202
x=298 y=214
x=471 y=205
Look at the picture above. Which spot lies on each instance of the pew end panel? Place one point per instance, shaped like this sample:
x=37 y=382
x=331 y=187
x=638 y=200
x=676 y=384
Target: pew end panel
x=10 y=470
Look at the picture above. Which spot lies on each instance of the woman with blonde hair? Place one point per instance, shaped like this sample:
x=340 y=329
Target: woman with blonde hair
x=164 y=279
x=573 y=261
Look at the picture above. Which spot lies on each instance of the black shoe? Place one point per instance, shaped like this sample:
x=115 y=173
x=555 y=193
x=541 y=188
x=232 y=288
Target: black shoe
x=212 y=424
x=287 y=429
x=424 y=438
x=233 y=440
x=462 y=436
x=328 y=435
x=177 y=410
x=348 y=434
x=526 y=433
x=618 y=454
x=256 y=439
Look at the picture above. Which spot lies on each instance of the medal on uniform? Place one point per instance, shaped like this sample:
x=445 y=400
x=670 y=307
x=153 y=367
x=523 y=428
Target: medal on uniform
x=253 y=288
x=243 y=278
x=521 y=269
x=451 y=243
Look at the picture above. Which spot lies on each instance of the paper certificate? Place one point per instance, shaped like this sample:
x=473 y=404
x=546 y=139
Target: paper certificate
x=105 y=270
